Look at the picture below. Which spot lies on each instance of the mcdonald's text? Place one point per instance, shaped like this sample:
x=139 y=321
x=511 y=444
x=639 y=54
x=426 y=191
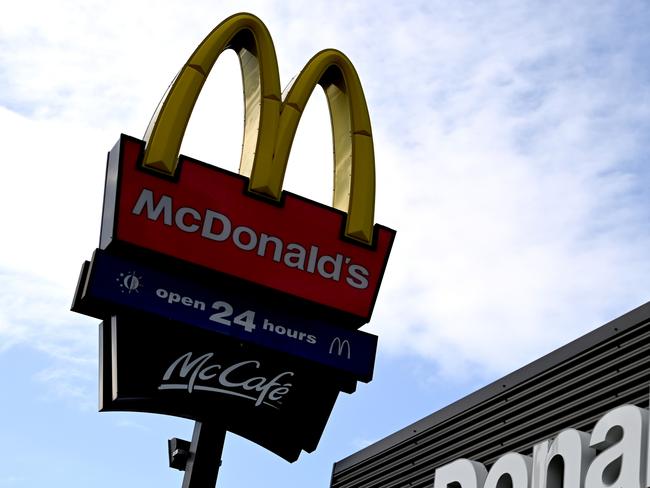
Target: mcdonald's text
x=219 y=228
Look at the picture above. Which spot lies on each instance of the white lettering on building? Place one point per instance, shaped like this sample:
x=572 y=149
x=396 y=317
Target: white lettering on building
x=614 y=455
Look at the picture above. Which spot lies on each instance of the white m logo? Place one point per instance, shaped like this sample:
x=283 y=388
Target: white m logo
x=340 y=345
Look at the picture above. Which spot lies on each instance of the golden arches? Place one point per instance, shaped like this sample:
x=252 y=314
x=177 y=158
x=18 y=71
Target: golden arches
x=270 y=124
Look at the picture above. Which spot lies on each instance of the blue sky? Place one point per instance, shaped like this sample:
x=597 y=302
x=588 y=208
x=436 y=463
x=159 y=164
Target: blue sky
x=511 y=147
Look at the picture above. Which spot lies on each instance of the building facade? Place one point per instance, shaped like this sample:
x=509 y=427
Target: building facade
x=572 y=387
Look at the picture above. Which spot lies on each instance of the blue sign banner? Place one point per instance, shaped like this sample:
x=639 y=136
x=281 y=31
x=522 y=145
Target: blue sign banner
x=216 y=307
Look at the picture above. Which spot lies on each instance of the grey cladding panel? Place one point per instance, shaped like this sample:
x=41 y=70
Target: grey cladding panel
x=571 y=387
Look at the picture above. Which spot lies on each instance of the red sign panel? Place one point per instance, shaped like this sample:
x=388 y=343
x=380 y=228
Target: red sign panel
x=206 y=216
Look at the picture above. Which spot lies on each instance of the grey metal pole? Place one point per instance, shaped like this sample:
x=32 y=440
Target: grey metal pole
x=204 y=458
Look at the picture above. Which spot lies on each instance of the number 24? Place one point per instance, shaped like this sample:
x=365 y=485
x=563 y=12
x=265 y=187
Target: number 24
x=225 y=311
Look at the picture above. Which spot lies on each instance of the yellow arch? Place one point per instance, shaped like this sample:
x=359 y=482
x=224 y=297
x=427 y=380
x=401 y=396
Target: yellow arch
x=354 y=160
x=250 y=39
x=270 y=124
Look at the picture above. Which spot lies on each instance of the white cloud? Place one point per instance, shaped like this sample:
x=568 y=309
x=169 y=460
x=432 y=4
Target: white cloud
x=72 y=383
x=131 y=424
x=11 y=480
x=509 y=151
x=358 y=443
x=35 y=313
x=521 y=224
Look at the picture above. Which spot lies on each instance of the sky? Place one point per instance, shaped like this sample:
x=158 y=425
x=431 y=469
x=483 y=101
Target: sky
x=511 y=154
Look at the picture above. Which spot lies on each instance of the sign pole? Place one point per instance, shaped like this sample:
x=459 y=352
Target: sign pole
x=204 y=457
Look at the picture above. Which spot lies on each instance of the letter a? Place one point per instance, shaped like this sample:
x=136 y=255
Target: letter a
x=620 y=439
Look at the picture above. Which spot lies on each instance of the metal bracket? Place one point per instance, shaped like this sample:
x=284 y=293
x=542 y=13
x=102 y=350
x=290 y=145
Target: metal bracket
x=179 y=452
x=201 y=458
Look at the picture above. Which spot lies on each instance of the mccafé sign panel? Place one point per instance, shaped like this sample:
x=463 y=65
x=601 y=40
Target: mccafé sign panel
x=279 y=402
x=206 y=217
x=223 y=298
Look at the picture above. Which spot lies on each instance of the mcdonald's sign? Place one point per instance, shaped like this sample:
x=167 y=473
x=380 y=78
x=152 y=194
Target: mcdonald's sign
x=244 y=226
x=220 y=292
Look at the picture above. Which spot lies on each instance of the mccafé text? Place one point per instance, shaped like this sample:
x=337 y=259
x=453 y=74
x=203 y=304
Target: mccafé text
x=192 y=372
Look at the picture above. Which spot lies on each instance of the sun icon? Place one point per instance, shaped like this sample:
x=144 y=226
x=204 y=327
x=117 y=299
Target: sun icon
x=130 y=282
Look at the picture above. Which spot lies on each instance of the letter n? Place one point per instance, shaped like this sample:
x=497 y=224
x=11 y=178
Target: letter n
x=562 y=463
x=510 y=470
x=461 y=473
